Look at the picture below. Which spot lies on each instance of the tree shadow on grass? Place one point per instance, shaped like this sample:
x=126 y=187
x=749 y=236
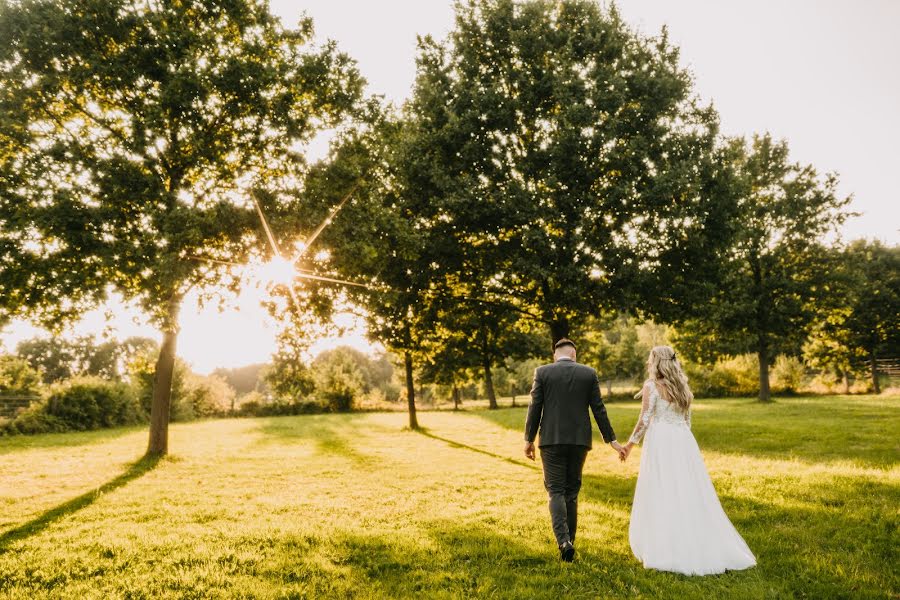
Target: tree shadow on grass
x=834 y=537
x=480 y=559
x=427 y=433
x=38 y=524
x=329 y=437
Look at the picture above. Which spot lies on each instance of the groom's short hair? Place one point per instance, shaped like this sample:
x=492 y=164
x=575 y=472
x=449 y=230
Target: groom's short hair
x=564 y=342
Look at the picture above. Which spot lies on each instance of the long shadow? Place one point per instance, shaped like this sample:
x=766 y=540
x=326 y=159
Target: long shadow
x=38 y=524
x=456 y=444
x=318 y=429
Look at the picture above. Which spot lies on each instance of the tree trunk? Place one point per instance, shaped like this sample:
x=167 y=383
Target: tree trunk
x=873 y=364
x=845 y=380
x=609 y=388
x=514 y=398
x=410 y=392
x=765 y=394
x=762 y=329
x=489 y=385
x=162 y=383
x=559 y=329
x=455 y=398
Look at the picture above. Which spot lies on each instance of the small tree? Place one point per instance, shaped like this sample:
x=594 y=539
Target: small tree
x=339 y=380
x=379 y=241
x=18 y=378
x=864 y=322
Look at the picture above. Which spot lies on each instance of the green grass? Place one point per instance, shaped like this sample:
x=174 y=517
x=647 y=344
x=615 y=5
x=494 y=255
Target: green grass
x=340 y=506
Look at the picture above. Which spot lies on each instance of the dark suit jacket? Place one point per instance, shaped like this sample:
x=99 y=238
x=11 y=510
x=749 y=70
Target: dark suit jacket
x=560 y=397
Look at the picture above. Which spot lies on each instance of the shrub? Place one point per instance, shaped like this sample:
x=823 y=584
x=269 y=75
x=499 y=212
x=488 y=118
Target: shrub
x=788 y=374
x=91 y=403
x=339 y=381
x=32 y=421
x=18 y=377
x=730 y=376
x=203 y=396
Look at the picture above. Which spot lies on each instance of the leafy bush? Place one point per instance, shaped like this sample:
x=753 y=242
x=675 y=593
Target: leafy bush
x=18 y=377
x=203 y=396
x=32 y=421
x=732 y=376
x=339 y=381
x=91 y=403
x=788 y=374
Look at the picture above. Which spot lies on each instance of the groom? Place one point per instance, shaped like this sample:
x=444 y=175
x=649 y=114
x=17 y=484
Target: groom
x=560 y=397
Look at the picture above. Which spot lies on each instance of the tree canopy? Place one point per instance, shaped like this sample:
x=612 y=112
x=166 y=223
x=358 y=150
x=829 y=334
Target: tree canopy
x=134 y=135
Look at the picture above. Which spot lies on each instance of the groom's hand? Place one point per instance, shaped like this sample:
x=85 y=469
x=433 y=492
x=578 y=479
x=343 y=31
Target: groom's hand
x=619 y=449
x=529 y=450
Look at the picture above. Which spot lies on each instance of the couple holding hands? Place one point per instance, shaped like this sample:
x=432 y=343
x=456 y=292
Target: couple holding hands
x=677 y=522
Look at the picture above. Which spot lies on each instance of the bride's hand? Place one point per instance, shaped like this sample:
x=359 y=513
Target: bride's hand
x=627 y=452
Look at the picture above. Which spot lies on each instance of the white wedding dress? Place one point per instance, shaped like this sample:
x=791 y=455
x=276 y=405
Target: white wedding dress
x=677 y=522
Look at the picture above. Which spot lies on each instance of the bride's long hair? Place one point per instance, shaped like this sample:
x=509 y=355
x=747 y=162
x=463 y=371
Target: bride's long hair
x=663 y=364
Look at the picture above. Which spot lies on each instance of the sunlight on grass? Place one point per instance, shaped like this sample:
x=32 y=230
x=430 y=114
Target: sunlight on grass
x=355 y=505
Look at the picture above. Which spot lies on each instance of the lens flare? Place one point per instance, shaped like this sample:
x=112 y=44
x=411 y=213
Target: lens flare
x=279 y=271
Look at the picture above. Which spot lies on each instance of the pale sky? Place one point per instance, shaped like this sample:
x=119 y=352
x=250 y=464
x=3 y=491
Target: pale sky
x=821 y=73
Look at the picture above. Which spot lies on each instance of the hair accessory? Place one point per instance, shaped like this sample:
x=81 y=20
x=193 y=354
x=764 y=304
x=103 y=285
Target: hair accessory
x=674 y=355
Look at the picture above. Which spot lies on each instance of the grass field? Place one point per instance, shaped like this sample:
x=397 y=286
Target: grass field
x=356 y=506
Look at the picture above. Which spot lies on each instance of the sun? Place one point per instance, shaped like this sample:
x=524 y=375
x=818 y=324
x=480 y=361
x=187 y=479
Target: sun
x=278 y=271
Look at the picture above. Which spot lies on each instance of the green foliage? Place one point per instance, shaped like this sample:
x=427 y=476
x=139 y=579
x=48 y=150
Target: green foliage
x=339 y=379
x=141 y=371
x=255 y=404
x=59 y=358
x=244 y=380
x=207 y=396
x=788 y=374
x=739 y=376
x=375 y=373
x=87 y=403
x=125 y=150
x=728 y=376
x=289 y=377
x=863 y=319
x=129 y=154
x=566 y=164
x=776 y=270
x=521 y=375
x=18 y=378
x=33 y=420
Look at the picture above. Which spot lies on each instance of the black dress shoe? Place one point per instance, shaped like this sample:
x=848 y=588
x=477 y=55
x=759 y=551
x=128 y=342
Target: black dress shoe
x=567 y=552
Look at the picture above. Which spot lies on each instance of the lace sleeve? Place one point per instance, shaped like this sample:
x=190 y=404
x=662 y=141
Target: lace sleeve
x=687 y=416
x=648 y=404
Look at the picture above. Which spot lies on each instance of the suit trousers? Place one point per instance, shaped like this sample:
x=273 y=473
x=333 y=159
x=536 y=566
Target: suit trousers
x=563 y=464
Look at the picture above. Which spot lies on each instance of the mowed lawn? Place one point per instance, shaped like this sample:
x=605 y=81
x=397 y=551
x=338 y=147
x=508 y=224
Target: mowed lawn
x=340 y=506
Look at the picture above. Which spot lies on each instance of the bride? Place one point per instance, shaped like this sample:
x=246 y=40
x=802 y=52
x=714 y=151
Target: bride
x=677 y=523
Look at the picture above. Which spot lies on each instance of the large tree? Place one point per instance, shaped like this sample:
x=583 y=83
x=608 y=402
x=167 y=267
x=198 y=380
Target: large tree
x=570 y=153
x=776 y=272
x=132 y=135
